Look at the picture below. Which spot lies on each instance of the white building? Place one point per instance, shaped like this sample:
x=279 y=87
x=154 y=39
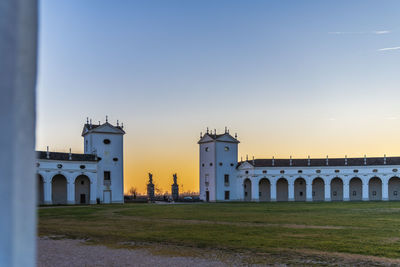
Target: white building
x=223 y=178
x=97 y=176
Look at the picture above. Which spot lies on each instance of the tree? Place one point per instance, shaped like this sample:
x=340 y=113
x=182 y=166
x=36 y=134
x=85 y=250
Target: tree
x=132 y=191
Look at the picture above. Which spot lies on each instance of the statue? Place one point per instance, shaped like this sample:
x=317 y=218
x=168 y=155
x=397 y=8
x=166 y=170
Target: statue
x=150 y=189
x=175 y=188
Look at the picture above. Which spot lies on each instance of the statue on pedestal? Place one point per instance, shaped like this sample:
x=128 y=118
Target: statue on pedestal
x=150 y=189
x=175 y=188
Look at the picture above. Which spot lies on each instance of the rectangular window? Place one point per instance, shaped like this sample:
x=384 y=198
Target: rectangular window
x=226 y=179
x=226 y=195
x=107 y=175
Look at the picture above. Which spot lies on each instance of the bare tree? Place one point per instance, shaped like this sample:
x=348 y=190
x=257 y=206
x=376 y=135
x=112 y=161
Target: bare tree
x=132 y=191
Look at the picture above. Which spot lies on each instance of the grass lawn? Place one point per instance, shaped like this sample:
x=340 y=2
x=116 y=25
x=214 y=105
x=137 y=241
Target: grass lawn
x=367 y=228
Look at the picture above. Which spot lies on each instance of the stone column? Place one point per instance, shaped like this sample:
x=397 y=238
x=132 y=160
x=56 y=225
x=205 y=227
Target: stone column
x=47 y=189
x=255 y=190
x=346 y=191
x=365 y=193
x=18 y=50
x=70 y=188
x=385 y=190
x=309 y=191
x=291 y=190
x=273 y=190
x=327 y=190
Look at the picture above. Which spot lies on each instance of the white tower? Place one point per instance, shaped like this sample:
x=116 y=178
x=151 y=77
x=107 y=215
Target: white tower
x=106 y=141
x=218 y=161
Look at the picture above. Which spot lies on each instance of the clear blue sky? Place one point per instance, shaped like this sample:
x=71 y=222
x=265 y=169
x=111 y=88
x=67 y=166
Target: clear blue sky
x=291 y=77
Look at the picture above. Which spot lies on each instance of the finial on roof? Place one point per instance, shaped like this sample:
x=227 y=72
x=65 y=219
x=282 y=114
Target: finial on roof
x=201 y=135
x=99 y=123
x=48 y=153
x=235 y=135
x=117 y=123
x=122 y=125
x=291 y=161
x=87 y=120
x=106 y=118
x=226 y=129
x=345 y=160
x=253 y=161
x=327 y=160
x=90 y=122
x=70 y=154
x=273 y=161
x=247 y=157
x=384 y=159
x=207 y=130
x=365 y=159
x=309 y=160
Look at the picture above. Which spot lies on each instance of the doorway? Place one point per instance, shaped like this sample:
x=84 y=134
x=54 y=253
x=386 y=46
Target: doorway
x=83 y=199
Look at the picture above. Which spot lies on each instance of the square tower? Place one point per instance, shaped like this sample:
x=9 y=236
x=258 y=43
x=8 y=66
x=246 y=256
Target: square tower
x=106 y=142
x=218 y=161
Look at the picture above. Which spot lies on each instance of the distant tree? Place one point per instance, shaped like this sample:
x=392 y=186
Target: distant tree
x=132 y=191
x=157 y=190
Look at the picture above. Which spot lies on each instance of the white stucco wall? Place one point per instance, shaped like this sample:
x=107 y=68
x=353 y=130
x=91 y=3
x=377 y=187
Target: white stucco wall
x=336 y=191
x=48 y=169
x=107 y=153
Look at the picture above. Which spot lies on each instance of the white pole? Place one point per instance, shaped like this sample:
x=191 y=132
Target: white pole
x=18 y=52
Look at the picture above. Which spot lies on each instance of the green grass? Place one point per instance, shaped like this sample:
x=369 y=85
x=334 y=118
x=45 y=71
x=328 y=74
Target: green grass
x=367 y=228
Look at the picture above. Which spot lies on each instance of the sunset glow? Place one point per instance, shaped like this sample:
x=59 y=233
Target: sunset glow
x=295 y=80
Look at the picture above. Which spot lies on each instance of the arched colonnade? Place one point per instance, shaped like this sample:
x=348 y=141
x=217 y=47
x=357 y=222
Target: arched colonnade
x=66 y=188
x=336 y=188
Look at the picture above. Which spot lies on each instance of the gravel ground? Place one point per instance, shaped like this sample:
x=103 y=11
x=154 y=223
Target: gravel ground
x=66 y=252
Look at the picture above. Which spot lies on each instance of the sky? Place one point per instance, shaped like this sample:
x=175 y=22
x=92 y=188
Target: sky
x=291 y=78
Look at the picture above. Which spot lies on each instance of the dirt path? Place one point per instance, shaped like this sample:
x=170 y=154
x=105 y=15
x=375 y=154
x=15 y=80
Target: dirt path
x=66 y=252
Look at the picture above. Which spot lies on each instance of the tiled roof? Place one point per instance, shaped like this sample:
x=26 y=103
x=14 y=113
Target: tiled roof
x=94 y=126
x=217 y=137
x=323 y=162
x=65 y=156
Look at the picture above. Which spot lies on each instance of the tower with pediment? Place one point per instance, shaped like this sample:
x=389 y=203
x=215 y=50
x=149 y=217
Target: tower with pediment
x=218 y=161
x=106 y=142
